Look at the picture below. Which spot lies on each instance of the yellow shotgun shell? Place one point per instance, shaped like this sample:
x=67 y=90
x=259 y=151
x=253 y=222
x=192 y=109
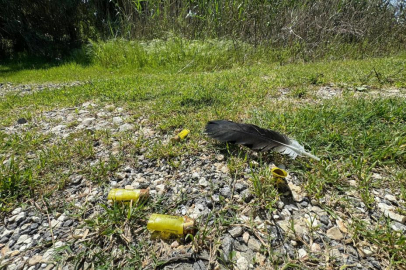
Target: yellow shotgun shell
x=171 y=224
x=279 y=173
x=183 y=133
x=125 y=195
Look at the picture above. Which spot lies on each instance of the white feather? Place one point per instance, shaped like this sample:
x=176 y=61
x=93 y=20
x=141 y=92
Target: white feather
x=293 y=150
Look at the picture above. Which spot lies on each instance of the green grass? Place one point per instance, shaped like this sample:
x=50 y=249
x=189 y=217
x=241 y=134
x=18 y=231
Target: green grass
x=354 y=135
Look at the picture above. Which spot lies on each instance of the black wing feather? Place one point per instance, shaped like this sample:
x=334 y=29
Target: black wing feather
x=252 y=136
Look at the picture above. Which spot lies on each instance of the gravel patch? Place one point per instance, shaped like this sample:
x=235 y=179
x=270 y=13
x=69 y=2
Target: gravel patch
x=32 y=237
x=24 y=89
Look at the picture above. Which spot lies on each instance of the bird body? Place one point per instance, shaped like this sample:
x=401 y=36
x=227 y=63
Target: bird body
x=254 y=137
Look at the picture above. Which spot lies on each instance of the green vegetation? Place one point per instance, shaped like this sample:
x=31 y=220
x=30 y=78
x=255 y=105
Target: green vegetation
x=313 y=29
x=330 y=74
x=181 y=83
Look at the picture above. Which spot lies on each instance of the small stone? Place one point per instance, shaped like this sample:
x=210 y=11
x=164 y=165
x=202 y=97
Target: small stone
x=62 y=217
x=302 y=254
x=79 y=233
x=353 y=183
x=239 y=187
x=50 y=253
x=280 y=205
x=376 y=264
x=254 y=244
x=388 y=211
x=297 y=193
x=291 y=207
x=113 y=183
x=260 y=259
x=87 y=104
x=199 y=265
x=396 y=226
x=126 y=127
x=18 y=218
x=315 y=247
x=285 y=213
x=224 y=169
x=390 y=198
x=160 y=189
x=22 y=239
x=52 y=267
x=220 y=157
x=304 y=204
x=318 y=210
x=377 y=176
x=117 y=120
x=226 y=191
x=246 y=237
x=247 y=195
x=227 y=245
x=88 y=121
x=14 y=253
x=325 y=220
x=36 y=219
x=6 y=233
x=76 y=179
x=195 y=175
x=242 y=263
x=120 y=176
x=312 y=220
x=341 y=226
x=58 y=128
x=175 y=244
x=17 y=211
x=335 y=253
x=334 y=233
x=55 y=223
x=236 y=231
x=12 y=267
x=147 y=132
x=34 y=260
x=4 y=240
x=203 y=182
x=367 y=252
x=68 y=223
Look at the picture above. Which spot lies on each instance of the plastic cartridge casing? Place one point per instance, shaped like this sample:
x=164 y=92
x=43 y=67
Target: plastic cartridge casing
x=279 y=173
x=125 y=195
x=171 y=224
x=183 y=134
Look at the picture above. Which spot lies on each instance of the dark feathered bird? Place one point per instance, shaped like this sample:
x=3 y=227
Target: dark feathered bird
x=254 y=137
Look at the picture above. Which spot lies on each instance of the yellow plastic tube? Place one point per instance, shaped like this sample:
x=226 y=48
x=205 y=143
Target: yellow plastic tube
x=125 y=195
x=279 y=176
x=183 y=134
x=279 y=173
x=171 y=224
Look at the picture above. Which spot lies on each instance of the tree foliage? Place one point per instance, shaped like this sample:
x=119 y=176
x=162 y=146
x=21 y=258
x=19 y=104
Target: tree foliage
x=53 y=27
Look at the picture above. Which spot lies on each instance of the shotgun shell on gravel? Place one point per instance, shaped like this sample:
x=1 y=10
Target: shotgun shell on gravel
x=181 y=135
x=279 y=176
x=171 y=224
x=126 y=195
x=279 y=173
